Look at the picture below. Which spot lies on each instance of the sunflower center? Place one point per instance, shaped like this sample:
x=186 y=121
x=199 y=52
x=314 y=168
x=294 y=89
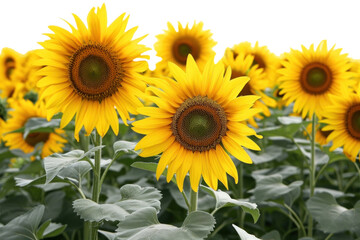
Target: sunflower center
x=353 y=121
x=259 y=61
x=199 y=124
x=316 y=78
x=185 y=46
x=34 y=138
x=94 y=72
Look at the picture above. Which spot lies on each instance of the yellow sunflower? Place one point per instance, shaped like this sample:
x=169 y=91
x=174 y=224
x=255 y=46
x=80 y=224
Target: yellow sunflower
x=198 y=118
x=265 y=59
x=320 y=136
x=242 y=65
x=309 y=77
x=174 y=46
x=21 y=111
x=92 y=73
x=9 y=60
x=343 y=119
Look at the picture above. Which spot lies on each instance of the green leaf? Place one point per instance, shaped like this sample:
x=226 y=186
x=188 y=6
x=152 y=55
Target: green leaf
x=224 y=200
x=285 y=120
x=268 y=154
x=53 y=230
x=24 y=226
x=124 y=147
x=151 y=167
x=144 y=224
x=243 y=234
x=205 y=201
x=41 y=230
x=131 y=198
x=285 y=171
x=332 y=217
x=40 y=125
x=57 y=162
x=273 y=235
x=271 y=187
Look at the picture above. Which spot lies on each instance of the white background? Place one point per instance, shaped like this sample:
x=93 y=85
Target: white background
x=280 y=24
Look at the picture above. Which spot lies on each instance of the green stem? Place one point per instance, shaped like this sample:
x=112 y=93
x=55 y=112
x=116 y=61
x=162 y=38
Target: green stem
x=301 y=225
x=96 y=182
x=357 y=168
x=241 y=213
x=107 y=169
x=312 y=172
x=193 y=201
x=186 y=199
x=84 y=143
x=329 y=236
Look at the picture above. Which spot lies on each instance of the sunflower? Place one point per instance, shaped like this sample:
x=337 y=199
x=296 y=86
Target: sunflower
x=309 y=77
x=198 y=117
x=174 y=46
x=241 y=65
x=265 y=59
x=21 y=112
x=343 y=119
x=91 y=73
x=9 y=60
x=321 y=134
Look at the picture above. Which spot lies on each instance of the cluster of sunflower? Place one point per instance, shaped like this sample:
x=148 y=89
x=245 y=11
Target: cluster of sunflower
x=198 y=111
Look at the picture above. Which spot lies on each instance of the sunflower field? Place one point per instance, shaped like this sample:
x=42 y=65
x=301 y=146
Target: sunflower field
x=96 y=145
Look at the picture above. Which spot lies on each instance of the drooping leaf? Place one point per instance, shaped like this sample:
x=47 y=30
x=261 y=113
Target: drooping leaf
x=269 y=154
x=24 y=226
x=224 y=200
x=243 y=234
x=271 y=188
x=332 y=217
x=124 y=147
x=37 y=124
x=57 y=162
x=131 y=198
x=144 y=224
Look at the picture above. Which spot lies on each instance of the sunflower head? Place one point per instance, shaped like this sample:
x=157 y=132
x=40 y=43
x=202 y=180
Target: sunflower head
x=9 y=61
x=198 y=117
x=175 y=45
x=92 y=72
x=242 y=65
x=343 y=120
x=262 y=58
x=310 y=76
x=22 y=111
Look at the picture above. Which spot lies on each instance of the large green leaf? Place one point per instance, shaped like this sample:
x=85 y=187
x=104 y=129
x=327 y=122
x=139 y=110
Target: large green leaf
x=144 y=224
x=131 y=198
x=268 y=154
x=243 y=234
x=57 y=162
x=290 y=126
x=37 y=124
x=224 y=200
x=271 y=188
x=332 y=217
x=24 y=226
